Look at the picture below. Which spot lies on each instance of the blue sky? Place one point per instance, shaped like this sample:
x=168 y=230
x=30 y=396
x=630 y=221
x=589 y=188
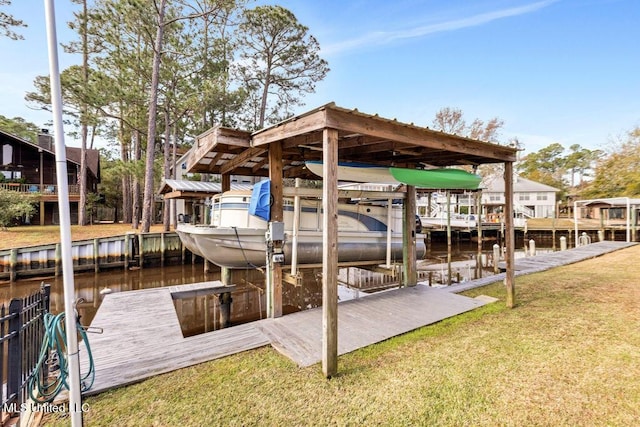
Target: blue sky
x=564 y=71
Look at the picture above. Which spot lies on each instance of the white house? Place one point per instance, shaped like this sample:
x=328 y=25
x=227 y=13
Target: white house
x=531 y=199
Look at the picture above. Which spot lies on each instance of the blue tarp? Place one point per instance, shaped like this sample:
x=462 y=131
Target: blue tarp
x=261 y=200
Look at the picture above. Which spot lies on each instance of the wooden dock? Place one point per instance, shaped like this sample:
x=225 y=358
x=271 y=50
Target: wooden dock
x=364 y=321
x=142 y=335
x=546 y=261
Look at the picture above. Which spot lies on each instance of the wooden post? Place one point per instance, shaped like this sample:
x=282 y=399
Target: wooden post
x=163 y=248
x=127 y=250
x=330 y=253
x=409 y=238
x=13 y=264
x=448 y=238
x=42 y=216
x=141 y=250
x=58 y=263
x=225 y=298
x=275 y=175
x=96 y=255
x=225 y=183
x=509 y=235
x=479 y=225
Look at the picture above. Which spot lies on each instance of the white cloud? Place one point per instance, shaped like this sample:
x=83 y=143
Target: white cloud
x=382 y=37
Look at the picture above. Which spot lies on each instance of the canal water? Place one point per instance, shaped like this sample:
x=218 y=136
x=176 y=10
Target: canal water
x=201 y=314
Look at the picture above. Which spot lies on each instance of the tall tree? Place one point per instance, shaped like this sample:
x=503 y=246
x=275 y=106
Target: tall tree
x=19 y=127
x=617 y=174
x=162 y=24
x=451 y=120
x=580 y=161
x=279 y=58
x=7 y=21
x=547 y=165
x=81 y=24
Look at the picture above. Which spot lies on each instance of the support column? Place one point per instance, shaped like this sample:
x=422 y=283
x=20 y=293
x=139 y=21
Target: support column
x=275 y=175
x=225 y=299
x=509 y=255
x=330 y=253
x=409 y=237
x=479 y=225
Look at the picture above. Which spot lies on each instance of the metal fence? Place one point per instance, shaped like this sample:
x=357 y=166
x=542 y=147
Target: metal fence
x=21 y=334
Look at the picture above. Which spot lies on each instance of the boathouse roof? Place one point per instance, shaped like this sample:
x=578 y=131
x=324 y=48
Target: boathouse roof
x=362 y=137
x=183 y=189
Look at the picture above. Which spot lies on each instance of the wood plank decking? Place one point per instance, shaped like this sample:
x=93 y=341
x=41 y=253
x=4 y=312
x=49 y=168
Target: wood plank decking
x=142 y=335
x=142 y=338
x=364 y=321
x=545 y=262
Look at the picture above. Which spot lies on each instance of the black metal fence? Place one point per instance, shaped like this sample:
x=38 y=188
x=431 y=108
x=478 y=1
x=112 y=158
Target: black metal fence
x=21 y=334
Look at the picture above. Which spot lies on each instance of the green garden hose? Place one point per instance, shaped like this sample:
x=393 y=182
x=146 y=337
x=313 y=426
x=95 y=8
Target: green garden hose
x=42 y=387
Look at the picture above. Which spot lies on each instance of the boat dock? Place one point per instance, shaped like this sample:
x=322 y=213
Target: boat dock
x=142 y=336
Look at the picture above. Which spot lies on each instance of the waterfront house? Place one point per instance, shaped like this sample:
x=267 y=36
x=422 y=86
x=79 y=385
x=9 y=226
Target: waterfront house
x=30 y=167
x=531 y=199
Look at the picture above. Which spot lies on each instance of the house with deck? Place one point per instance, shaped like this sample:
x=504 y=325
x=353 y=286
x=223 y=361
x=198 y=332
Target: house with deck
x=531 y=199
x=30 y=167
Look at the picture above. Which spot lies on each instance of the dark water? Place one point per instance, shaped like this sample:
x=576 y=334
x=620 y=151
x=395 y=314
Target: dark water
x=201 y=314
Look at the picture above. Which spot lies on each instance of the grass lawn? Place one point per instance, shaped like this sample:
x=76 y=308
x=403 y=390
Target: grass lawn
x=567 y=355
x=32 y=235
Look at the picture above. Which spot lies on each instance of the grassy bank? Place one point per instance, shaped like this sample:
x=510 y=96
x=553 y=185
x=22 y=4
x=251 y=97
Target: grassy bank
x=568 y=354
x=31 y=235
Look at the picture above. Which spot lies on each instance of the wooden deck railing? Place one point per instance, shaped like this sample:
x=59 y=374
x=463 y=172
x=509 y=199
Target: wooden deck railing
x=45 y=189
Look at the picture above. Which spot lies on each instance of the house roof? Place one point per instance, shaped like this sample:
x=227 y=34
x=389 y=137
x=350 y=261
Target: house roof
x=183 y=189
x=495 y=184
x=613 y=202
x=93 y=159
x=361 y=138
x=72 y=153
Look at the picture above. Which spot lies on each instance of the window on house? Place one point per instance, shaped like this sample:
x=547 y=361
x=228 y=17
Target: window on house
x=542 y=196
x=523 y=196
x=495 y=197
x=7 y=154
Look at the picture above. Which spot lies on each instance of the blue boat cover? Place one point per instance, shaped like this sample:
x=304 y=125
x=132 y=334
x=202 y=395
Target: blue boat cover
x=261 y=200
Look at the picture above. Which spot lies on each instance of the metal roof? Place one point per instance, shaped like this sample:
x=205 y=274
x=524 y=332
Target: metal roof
x=184 y=189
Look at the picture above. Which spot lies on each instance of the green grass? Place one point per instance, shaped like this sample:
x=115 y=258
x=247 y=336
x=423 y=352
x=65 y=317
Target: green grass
x=568 y=354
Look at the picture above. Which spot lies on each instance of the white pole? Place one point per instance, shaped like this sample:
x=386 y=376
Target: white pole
x=296 y=228
x=75 y=397
x=389 y=219
x=628 y=220
x=575 y=221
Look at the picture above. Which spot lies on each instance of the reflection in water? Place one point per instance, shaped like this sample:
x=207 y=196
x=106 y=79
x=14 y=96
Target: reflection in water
x=200 y=314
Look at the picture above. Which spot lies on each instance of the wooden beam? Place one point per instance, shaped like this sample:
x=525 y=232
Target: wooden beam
x=400 y=132
x=225 y=182
x=241 y=159
x=275 y=175
x=330 y=253
x=313 y=121
x=509 y=234
x=409 y=238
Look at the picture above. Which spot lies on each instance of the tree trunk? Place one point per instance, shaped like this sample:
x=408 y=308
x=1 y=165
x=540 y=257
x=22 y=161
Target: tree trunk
x=147 y=205
x=265 y=95
x=82 y=204
x=136 y=182
x=166 y=212
x=127 y=208
x=174 y=174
